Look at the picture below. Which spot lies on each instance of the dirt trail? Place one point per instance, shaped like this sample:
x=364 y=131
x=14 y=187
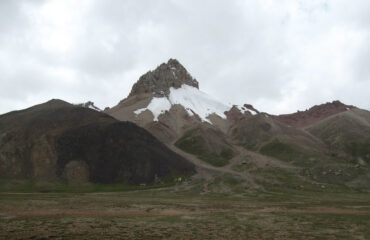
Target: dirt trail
x=204 y=166
x=258 y=159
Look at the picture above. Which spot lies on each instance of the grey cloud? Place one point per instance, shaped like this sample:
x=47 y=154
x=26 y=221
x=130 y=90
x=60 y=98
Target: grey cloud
x=280 y=56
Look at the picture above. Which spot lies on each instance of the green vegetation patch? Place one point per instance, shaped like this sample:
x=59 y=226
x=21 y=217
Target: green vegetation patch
x=195 y=145
x=29 y=186
x=242 y=167
x=280 y=150
x=279 y=180
x=249 y=145
x=360 y=149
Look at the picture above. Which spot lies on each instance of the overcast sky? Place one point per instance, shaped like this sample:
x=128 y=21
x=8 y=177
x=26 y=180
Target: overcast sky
x=280 y=56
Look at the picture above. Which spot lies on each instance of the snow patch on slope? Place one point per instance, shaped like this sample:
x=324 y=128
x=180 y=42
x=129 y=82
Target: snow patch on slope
x=192 y=99
x=157 y=106
x=253 y=112
x=243 y=110
x=90 y=105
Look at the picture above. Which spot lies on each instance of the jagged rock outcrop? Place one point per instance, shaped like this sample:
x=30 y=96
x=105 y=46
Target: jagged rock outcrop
x=90 y=105
x=159 y=81
x=239 y=113
x=235 y=114
x=251 y=108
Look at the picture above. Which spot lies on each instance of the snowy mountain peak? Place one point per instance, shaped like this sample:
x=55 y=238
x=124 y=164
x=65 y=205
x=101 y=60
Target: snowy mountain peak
x=167 y=75
x=191 y=99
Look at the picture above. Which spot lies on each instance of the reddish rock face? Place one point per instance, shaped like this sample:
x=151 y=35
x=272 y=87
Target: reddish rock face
x=315 y=113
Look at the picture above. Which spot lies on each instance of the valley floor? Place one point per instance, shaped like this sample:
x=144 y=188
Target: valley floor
x=169 y=214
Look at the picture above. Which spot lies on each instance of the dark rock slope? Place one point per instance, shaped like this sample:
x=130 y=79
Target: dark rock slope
x=57 y=140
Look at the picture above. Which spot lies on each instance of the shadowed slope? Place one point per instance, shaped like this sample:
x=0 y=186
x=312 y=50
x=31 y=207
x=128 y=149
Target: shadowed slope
x=58 y=140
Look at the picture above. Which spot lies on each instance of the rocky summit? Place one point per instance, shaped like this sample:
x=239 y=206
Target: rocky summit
x=159 y=81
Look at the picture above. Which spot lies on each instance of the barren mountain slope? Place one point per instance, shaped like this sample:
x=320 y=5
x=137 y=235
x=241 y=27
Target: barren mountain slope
x=60 y=141
x=347 y=132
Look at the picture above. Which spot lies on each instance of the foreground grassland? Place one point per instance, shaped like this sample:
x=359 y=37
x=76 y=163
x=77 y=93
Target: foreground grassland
x=170 y=214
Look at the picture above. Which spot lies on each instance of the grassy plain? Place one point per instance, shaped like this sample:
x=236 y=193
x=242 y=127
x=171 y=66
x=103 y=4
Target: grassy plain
x=185 y=211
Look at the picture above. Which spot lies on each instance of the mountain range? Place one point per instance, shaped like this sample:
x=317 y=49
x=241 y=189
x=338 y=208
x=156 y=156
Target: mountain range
x=168 y=127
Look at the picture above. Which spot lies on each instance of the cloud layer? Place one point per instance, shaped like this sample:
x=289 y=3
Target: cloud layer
x=277 y=55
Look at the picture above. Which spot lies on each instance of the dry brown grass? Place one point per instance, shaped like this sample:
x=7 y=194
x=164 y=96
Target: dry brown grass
x=165 y=214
